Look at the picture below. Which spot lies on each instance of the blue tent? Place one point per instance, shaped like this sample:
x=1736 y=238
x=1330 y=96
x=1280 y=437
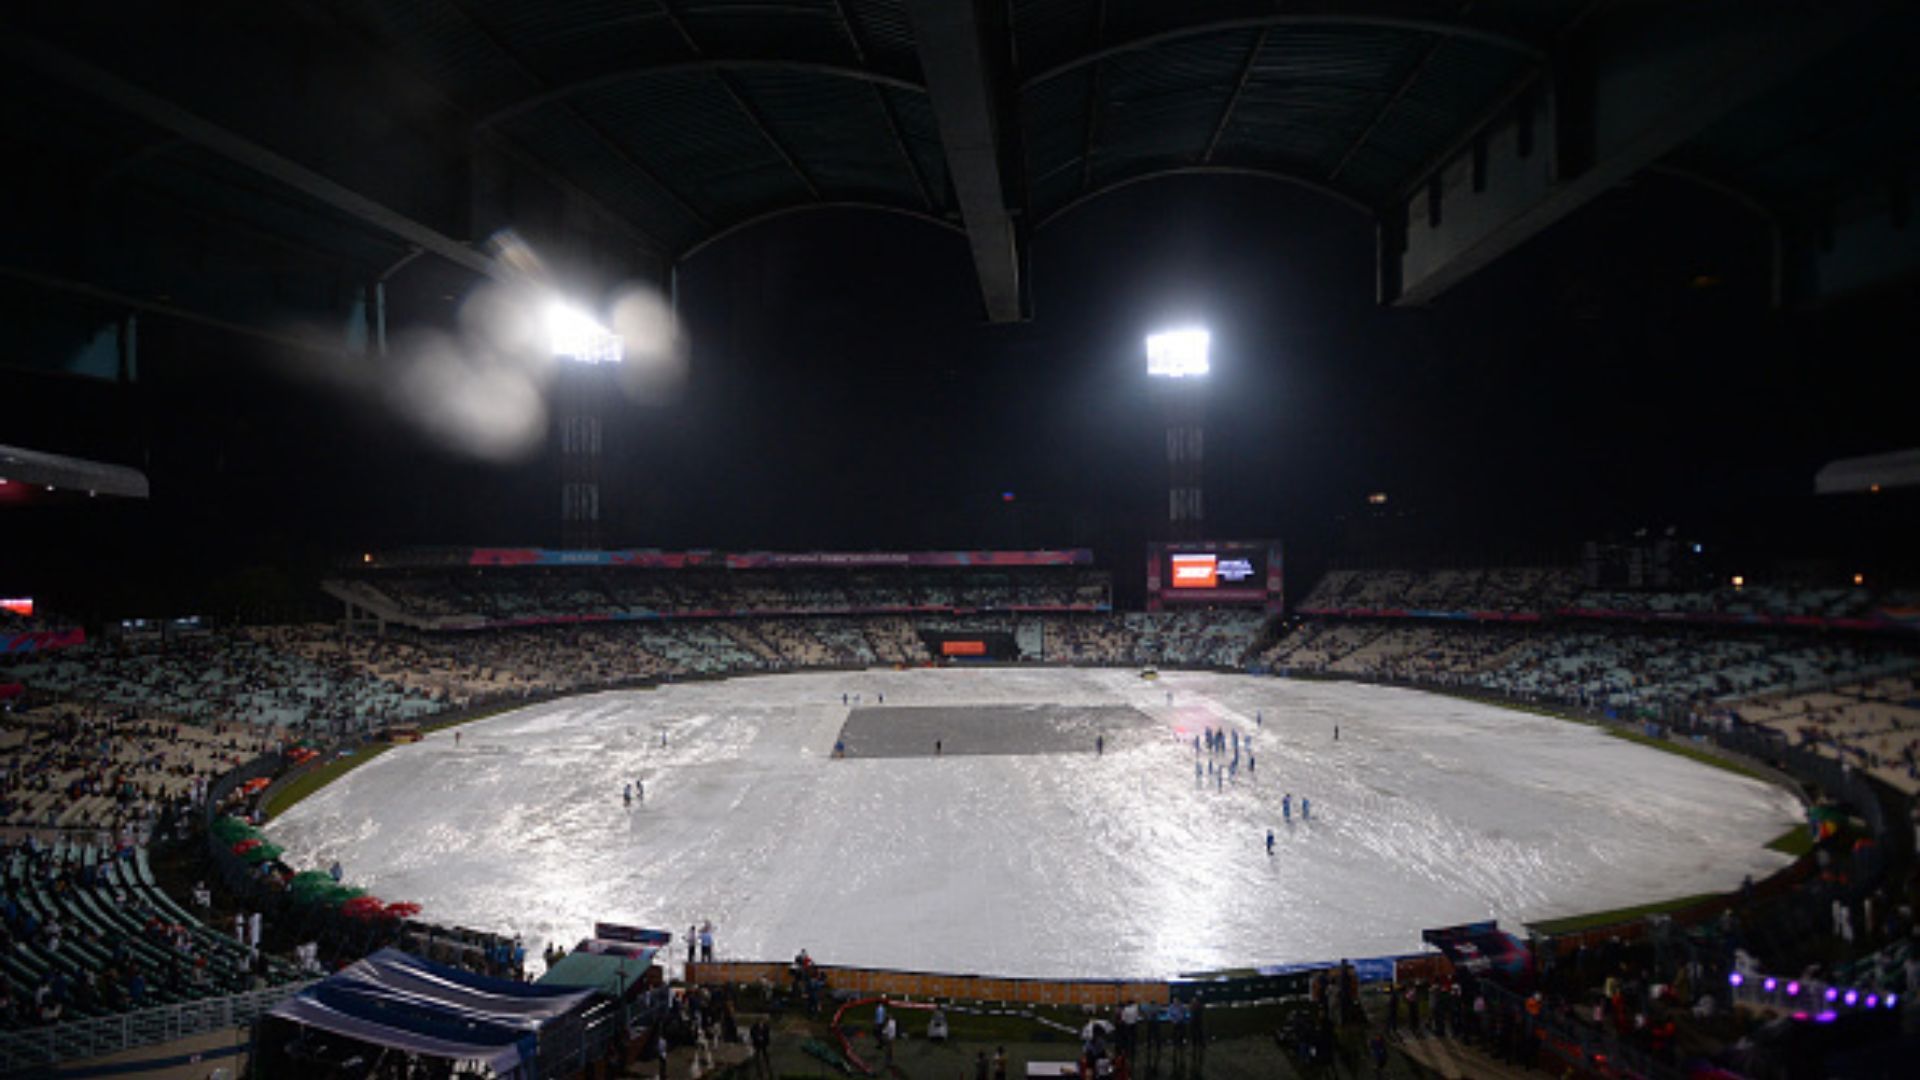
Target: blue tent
x=398 y=1001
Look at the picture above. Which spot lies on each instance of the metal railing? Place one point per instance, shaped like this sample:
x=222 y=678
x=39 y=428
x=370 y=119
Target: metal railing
x=82 y=1039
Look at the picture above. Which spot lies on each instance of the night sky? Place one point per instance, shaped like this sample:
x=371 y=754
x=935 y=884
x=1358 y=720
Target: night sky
x=1621 y=371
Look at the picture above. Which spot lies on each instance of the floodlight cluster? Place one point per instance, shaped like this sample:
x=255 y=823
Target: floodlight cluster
x=1178 y=354
x=575 y=335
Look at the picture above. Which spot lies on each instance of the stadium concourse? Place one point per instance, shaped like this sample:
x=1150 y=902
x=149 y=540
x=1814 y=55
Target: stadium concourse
x=116 y=747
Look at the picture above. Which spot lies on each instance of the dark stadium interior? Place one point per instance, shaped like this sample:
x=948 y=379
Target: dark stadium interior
x=1537 y=330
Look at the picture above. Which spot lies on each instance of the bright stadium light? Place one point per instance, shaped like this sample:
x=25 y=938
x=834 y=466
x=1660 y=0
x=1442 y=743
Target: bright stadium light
x=1178 y=354
x=575 y=335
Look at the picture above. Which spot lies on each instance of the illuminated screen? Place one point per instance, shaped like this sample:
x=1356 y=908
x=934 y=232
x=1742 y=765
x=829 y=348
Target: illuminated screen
x=963 y=648
x=21 y=606
x=1214 y=573
x=1216 y=570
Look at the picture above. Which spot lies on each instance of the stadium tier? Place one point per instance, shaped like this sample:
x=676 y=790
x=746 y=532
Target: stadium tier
x=485 y=587
x=118 y=744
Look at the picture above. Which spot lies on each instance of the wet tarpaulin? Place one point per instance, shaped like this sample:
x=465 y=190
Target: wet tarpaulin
x=396 y=1000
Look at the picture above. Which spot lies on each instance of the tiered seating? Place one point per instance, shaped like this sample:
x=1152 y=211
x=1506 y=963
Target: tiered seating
x=432 y=599
x=1854 y=695
x=88 y=933
x=1778 y=601
x=253 y=676
x=1873 y=724
x=1503 y=589
x=103 y=768
x=1196 y=638
x=1316 y=646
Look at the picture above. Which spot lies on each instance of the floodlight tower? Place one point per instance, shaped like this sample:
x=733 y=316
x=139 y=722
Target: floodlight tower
x=1177 y=360
x=587 y=352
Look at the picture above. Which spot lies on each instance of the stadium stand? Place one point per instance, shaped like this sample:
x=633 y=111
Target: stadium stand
x=1521 y=589
x=121 y=744
x=470 y=597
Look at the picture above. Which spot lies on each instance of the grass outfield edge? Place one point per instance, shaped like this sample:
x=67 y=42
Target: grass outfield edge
x=301 y=787
x=1794 y=842
x=1571 y=923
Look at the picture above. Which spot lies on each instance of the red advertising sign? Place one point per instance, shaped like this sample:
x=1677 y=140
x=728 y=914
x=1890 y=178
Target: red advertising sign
x=1196 y=571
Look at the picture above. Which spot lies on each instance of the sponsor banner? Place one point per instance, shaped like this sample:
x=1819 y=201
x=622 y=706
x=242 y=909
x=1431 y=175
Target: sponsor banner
x=744 y=613
x=963 y=648
x=1884 y=619
x=1425 y=613
x=648 y=559
x=42 y=640
x=636 y=935
x=638 y=559
x=776 y=560
x=1216 y=596
x=1480 y=948
x=1368 y=970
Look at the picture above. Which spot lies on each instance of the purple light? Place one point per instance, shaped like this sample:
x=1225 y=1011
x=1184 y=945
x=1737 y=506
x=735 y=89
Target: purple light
x=1852 y=998
x=1736 y=979
x=1827 y=1017
x=1771 y=984
x=1892 y=1000
x=1801 y=1016
x=1873 y=1001
x=1793 y=989
x=1832 y=994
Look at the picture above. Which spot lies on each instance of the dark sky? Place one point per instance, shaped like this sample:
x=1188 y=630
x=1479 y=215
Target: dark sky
x=843 y=392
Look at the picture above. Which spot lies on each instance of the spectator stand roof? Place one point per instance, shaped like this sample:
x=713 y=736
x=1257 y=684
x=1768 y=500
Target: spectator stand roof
x=185 y=150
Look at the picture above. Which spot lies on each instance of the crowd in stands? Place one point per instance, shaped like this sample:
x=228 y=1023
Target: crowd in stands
x=272 y=676
x=1552 y=590
x=117 y=740
x=105 y=770
x=1872 y=724
x=1779 y=601
x=1627 y=668
x=1511 y=589
x=1197 y=637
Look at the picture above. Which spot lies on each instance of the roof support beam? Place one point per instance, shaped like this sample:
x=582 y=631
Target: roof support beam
x=1400 y=91
x=71 y=71
x=1090 y=132
x=741 y=103
x=1254 y=173
x=562 y=91
x=947 y=36
x=886 y=108
x=1233 y=99
x=599 y=134
x=1341 y=14
x=1635 y=85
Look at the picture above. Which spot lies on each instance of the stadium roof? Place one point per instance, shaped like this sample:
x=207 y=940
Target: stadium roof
x=185 y=148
